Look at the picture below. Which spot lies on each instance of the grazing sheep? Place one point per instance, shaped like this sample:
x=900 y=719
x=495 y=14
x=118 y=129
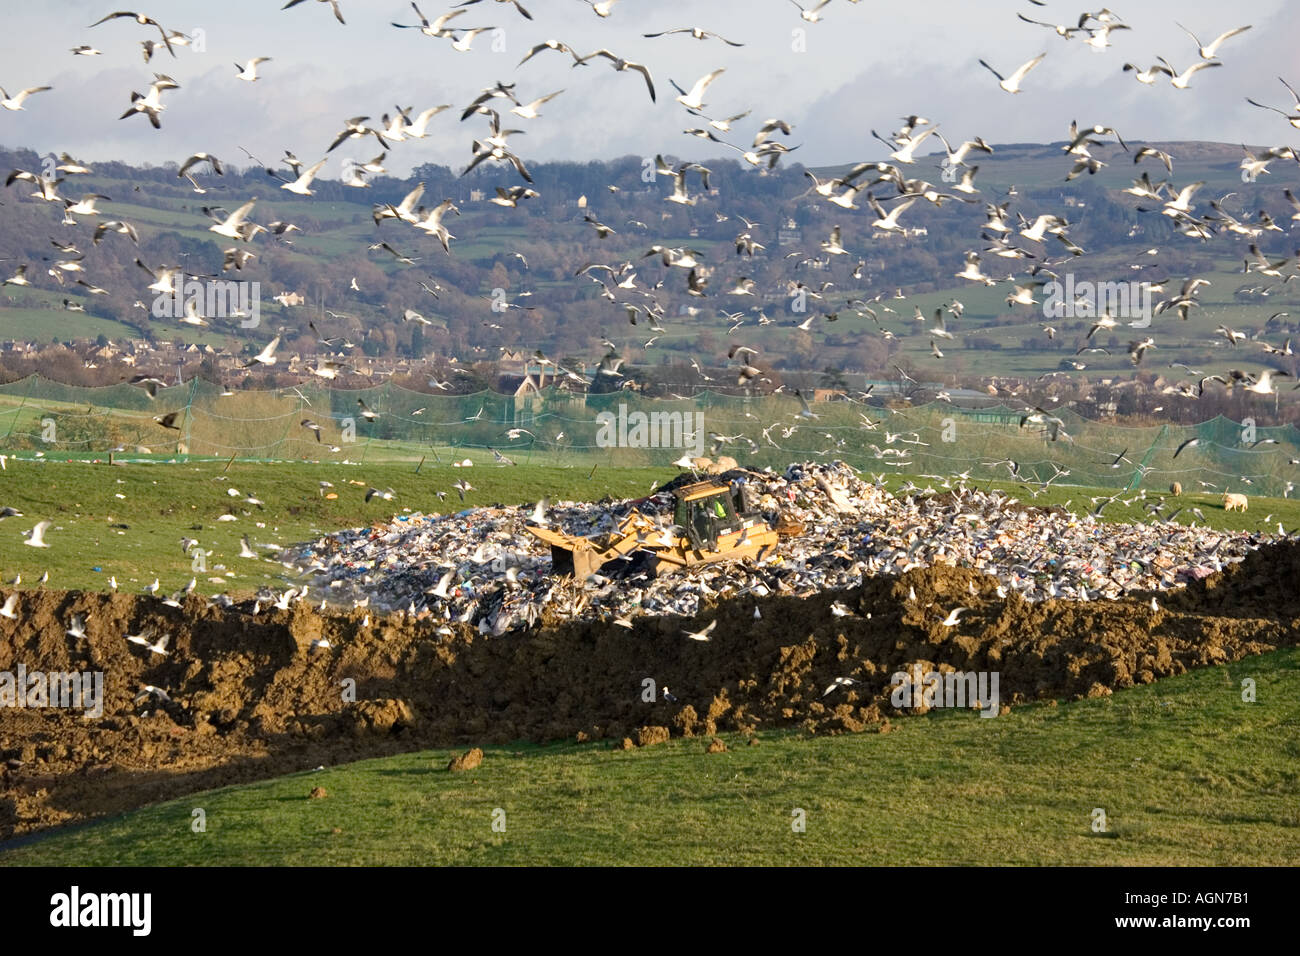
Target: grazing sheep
x=1175 y=489
x=1233 y=501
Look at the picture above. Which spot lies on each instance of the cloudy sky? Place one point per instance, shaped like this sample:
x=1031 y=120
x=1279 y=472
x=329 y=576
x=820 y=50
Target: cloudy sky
x=864 y=66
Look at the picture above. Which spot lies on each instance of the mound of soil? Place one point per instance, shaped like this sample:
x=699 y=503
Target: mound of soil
x=256 y=697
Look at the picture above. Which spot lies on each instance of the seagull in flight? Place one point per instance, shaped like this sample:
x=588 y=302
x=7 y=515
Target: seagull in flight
x=1180 y=81
x=232 y=227
x=302 y=185
x=810 y=14
x=620 y=65
x=151 y=104
x=266 y=356
x=143 y=20
x=518 y=6
x=149 y=690
x=693 y=100
x=248 y=71
x=1210 y=50
x=529 y=110
x=334 y=5
x=436 y=29
x=1293 y=118
x=36 y=537
x=704 y=634
x=953 y=615
x=157 y=647
x=838 y=683
x=696 y=32
x=15 y=102
x=1012 y=83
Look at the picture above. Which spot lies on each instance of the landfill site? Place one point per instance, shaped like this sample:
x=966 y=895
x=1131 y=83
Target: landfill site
x=755 y=601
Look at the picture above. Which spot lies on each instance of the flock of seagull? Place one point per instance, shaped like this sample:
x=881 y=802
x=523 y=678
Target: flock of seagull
x=883 y=182
x=883 y=190
x=1093 y=29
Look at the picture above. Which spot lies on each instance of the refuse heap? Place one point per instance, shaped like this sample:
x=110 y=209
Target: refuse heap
x=480 y=566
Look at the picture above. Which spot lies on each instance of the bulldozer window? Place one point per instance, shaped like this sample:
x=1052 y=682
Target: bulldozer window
x=702 y=527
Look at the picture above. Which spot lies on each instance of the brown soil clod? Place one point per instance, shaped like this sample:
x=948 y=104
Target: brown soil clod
x=649 y=736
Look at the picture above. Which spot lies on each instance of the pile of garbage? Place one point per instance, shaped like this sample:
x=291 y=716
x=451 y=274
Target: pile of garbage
x=480 y=566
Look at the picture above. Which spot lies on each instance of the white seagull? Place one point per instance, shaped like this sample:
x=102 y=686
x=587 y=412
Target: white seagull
x=1012 y=83
x=158 y=647
x=15 y=102
x=1209 y=50
x=36 y=537
x=248 y=71
x=702 y=635
x=694 y=99
x=302 y=185
x=232 y=227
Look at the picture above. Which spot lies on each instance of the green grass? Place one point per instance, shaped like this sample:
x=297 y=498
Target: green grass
x=1186 y=773
x=137 y=537
x=42 y=325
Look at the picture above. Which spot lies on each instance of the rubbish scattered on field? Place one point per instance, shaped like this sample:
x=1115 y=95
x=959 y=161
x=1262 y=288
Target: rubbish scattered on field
x=480 y=566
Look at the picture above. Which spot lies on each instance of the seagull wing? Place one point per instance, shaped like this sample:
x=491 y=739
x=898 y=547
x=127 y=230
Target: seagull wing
x=1020 y=74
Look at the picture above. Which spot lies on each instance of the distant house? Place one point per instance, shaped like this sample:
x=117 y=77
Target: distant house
x=527 y=400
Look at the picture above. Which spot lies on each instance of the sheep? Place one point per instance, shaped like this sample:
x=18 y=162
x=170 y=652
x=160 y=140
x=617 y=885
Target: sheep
x=1233 y=501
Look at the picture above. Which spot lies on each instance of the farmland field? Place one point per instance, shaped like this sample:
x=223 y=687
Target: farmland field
x=1185 y=769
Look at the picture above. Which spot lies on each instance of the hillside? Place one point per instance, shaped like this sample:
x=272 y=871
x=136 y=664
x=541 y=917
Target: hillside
x=531 y=253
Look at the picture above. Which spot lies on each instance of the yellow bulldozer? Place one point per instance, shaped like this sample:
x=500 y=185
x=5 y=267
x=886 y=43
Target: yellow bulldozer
x=709 y=524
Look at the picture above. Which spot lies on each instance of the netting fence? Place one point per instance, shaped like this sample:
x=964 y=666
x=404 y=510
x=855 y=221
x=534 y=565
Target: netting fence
x=390 y=423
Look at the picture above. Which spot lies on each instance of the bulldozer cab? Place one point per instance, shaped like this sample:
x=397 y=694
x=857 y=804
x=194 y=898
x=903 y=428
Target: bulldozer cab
x=705 y=511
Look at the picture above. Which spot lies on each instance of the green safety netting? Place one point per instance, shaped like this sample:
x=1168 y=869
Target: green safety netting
x=625 y=429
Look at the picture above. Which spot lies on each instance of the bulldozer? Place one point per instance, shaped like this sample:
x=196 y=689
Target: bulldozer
x=710 y=524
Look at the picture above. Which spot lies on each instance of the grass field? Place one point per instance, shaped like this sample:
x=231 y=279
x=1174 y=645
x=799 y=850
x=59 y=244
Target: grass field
x=127 y=521
x=1185 y=772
